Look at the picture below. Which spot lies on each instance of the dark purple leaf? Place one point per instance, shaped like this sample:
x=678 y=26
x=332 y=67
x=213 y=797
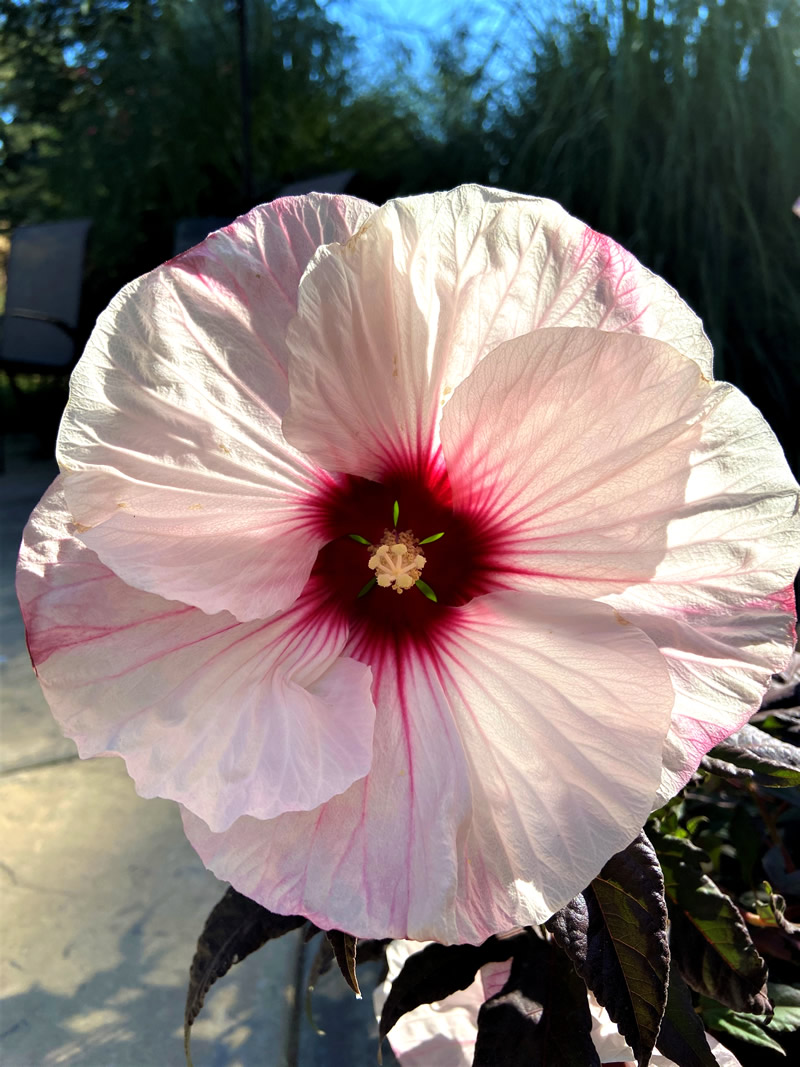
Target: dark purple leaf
x=235 y=928
x=541 y=1017
x=437 y=971
x=615 y=933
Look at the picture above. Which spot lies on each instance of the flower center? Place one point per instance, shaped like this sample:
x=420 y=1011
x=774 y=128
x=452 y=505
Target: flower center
x=383 y=534
x=397 y=561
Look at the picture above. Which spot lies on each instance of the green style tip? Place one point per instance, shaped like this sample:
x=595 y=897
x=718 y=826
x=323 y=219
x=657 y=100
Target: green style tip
x=426 y=590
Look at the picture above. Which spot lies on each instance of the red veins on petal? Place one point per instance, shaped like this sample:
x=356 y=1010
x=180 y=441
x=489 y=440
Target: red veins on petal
x=460 y=565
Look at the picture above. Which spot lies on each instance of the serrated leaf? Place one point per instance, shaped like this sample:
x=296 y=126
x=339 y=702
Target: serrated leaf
x=738 y=1024
x=541 y=1017
x=682 y=1037
x=437 y=971
x=344 y=950
x=760 y=756
x=615 y=933
x=235 y=928
x=709 y=940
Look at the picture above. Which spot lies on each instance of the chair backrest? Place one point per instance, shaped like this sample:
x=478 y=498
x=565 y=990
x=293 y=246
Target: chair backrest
x=190 y=232
x=335 y=182
x=43 y=294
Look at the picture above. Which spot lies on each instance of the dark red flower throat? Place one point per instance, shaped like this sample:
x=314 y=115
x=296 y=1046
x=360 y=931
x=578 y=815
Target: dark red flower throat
x=456 y=565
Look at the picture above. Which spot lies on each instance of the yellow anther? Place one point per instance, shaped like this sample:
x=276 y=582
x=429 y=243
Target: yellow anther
x=396 y=561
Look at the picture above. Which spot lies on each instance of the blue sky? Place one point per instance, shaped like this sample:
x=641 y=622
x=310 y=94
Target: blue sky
x=379 y=25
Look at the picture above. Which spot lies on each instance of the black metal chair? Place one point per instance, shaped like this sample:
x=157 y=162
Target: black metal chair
x=38 y=329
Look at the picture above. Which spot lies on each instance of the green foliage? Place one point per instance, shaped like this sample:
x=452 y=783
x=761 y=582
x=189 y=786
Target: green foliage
x=737 y=1024
x=674 y=126
x=129 y=111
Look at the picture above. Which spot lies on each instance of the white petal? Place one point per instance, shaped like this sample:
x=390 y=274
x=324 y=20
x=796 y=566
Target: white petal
x=574 y=446
x=510 y=763
x=176 y=463
x=225 y=717
x=398 y=316
x=720 y=605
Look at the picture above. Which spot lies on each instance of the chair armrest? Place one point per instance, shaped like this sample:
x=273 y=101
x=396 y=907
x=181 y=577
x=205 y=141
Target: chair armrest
x=40 y=316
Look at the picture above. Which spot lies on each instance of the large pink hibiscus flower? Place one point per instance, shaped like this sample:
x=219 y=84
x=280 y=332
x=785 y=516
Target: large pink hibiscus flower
x=612 y=587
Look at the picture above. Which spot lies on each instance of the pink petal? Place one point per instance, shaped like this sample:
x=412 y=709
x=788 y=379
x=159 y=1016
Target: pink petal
x=510 y=762
x=177 y=466
x=225 y=717
x=720 y=605
x=575 y=446
x=720 y=664
x=401 y=314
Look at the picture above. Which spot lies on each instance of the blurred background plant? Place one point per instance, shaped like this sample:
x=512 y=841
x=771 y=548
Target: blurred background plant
x=672 y=125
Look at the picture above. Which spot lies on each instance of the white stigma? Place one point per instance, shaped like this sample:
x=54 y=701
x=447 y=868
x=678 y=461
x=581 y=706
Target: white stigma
x=397 y=564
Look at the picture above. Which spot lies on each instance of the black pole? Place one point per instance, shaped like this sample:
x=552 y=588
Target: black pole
x=244 y=82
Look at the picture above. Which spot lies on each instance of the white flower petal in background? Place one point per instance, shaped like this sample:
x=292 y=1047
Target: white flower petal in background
x=443 y=1034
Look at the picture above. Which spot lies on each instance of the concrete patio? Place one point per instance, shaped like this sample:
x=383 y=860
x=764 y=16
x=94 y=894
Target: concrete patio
x=103 y=900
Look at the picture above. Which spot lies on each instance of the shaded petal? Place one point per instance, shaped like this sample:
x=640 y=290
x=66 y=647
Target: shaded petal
x=612 y=1048
x=574 y=447
x=401 y=314
x=720 y=664
x=509 y=764
x=225 y=717
x=177 y=466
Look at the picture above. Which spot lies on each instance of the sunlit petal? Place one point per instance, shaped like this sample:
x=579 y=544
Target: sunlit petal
x=226 y=717
x=508 y=766
x=171 y=440
x=401 y=313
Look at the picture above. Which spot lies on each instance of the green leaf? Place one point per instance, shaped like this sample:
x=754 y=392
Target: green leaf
x=235 y=928
x=433 y=537
x=682 y=1037
x=437 y=971
x=786 y=1004
x=361 y=540
x=366 y=588
x=755 y=755
x=344 y=949
x=395 y=512
x=709 y=940
x=541 y=1016
x=778 y=906
x=615 y=933
x=737 y=1024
